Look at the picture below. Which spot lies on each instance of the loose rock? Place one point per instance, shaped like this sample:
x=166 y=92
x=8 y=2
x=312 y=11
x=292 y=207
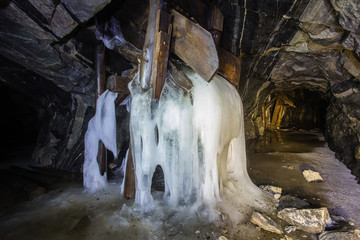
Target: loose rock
x=222 y=238
x=333 y=235
x=312 y=176
x=308 y=220
x=286 y=238
x=273 y=190
x=265 y=223
x=289 y=229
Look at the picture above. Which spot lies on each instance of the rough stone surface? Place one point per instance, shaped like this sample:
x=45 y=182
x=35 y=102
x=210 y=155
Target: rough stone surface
x=289 y=201
x=334 y=235
x=312 y=176
x=265 y=223
x=317 y=49
x=273 y=190
x=308 y=220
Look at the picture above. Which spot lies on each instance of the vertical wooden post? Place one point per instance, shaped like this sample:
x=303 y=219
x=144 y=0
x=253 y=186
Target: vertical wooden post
x=163 y=31
x=129 y=185
x=275 y=114
x=100 y=88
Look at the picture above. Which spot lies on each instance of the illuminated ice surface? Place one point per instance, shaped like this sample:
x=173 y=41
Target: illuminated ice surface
x=197 y=138
x=101 y=127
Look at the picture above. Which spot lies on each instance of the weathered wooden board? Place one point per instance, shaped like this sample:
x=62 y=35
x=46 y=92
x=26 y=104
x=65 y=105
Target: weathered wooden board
x=118 y=84
x=161 y=51
x=229 y=66
x=195 y=46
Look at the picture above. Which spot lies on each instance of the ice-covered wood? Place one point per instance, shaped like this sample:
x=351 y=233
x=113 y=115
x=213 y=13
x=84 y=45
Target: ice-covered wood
x=161 y=51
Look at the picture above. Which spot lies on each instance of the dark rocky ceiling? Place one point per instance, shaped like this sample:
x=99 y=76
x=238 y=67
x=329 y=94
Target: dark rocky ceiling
x=284 y=45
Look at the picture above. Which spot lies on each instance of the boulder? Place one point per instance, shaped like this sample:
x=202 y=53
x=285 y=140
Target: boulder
x=265 y=223
x=312 y=176
x=308 y=220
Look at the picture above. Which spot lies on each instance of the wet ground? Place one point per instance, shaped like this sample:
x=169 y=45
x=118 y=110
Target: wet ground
x=283 y=157
x=67 y=212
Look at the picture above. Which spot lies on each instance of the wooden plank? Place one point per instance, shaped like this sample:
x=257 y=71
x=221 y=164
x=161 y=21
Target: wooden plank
x=100 y=88
x=287 y=100
x=161 y=52
x=195 y=46
x=118 y=84
x=129 y=185
x=280 y=116
x=229 y=67
x=275 y=114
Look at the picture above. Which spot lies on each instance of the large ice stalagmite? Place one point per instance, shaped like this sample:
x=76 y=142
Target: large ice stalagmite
x=101 y=127
x=197 y=138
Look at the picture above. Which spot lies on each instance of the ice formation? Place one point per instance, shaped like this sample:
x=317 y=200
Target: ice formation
x=102 y=127
x=197 y=138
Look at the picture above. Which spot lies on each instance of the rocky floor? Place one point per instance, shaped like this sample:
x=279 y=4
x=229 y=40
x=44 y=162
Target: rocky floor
x=281 y=160
x=68 y=213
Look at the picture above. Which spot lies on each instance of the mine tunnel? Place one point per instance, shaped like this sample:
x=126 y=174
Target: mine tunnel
x=123 y=118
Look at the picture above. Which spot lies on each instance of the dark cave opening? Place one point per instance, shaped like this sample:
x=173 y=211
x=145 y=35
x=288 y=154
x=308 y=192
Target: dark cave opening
x=19 y=123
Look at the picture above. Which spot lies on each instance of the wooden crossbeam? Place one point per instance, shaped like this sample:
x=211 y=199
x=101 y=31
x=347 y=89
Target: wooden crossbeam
x=195 y=46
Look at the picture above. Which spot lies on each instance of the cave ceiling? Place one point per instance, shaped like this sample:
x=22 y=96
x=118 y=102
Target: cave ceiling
x=291 y=43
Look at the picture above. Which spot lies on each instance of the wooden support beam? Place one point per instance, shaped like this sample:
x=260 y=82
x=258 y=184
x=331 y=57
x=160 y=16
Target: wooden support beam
x=129 y=185
x=287 y=100
x=100 y=88
x=275 y=114
x=264 y=109
x=163 y=31
x=270 y=103
x=195 y=46
x=280 y=116
x=229 y=66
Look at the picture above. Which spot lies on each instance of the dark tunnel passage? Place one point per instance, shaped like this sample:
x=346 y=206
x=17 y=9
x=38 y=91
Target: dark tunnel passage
x=19 y=123
x=297 y=109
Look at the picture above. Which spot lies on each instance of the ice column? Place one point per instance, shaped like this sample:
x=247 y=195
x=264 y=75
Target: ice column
x=101 y=127
x=197 y=138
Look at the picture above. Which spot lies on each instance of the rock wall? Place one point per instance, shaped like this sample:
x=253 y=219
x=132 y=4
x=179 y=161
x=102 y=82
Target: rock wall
x=311 y=45
x=62 y=117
